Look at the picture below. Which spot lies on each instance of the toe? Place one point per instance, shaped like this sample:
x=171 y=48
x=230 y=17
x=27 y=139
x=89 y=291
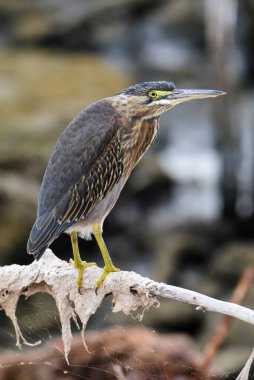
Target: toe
x=105 y=272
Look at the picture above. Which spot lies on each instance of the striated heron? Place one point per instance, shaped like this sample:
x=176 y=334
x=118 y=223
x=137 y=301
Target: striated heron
x=93 y=159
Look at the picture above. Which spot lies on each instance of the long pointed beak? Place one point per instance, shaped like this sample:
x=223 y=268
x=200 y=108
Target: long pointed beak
x=180 y=96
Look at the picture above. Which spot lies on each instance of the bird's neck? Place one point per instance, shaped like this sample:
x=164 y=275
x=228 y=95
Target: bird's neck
x=137 y=139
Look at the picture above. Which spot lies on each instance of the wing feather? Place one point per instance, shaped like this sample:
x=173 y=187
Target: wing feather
x=84 y=167
x=76 y=151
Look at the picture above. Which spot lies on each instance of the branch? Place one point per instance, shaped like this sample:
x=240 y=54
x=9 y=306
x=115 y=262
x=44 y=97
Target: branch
x=130 y=291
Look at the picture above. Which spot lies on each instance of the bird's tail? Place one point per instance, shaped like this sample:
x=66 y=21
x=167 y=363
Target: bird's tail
x=44 y=231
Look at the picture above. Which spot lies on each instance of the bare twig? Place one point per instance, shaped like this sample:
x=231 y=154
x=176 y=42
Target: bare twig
x=225 y=324
x=244 y=374
x=130 y=291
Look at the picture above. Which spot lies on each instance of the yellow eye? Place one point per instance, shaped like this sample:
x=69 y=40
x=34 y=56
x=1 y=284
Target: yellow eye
x=153 y=95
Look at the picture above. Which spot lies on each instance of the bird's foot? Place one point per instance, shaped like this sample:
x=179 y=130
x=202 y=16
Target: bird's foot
x=81 y=266
x=106 y=270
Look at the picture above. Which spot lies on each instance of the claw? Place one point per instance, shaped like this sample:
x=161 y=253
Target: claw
x=109 y=267
x=77 y=262
x=81 y=266
x=106 y=270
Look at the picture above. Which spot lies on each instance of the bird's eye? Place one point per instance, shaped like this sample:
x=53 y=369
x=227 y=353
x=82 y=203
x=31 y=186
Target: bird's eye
x=153 y=95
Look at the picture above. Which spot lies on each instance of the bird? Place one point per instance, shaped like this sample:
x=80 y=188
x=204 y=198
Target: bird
x=91 y=162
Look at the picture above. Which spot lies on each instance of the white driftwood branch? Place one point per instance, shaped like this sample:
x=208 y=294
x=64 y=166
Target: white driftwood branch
x=129 y=291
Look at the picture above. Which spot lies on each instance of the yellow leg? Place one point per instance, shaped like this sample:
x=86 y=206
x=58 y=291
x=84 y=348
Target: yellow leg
x=77 y=262
x=109 y=267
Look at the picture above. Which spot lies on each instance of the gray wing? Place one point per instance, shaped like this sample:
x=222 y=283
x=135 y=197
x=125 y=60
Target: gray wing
x=76 y=152
x=85 y=165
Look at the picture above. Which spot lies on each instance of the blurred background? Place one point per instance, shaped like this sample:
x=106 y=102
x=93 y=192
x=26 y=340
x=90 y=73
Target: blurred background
x=186 y=215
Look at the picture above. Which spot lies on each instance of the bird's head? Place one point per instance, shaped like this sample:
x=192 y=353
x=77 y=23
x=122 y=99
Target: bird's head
x=151 y=99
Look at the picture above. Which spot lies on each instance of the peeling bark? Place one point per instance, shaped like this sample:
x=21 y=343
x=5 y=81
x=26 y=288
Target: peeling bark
x=129 y=290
